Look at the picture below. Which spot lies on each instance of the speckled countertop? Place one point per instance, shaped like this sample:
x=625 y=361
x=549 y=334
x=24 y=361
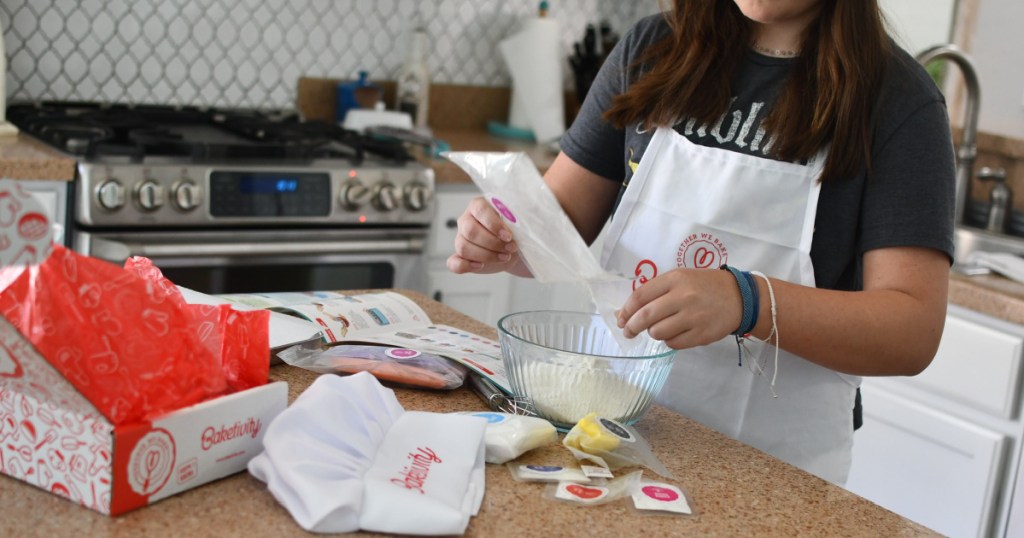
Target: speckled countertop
x=737 y=490
x=23 y=157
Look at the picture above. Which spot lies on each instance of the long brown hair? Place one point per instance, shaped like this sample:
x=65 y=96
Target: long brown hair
x=829 y=98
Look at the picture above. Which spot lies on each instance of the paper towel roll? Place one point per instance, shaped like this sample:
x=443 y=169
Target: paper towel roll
x=534 y=59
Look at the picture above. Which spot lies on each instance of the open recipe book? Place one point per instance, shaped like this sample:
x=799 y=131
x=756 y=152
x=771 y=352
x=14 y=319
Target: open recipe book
x=386 y=318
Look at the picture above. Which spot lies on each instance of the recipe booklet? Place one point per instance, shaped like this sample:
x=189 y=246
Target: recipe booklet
x=386 y=318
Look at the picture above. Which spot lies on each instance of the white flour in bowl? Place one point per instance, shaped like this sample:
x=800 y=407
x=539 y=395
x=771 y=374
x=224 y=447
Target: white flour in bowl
x=564 y=393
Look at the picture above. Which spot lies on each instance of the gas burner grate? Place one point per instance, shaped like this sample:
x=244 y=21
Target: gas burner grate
x=97 y=131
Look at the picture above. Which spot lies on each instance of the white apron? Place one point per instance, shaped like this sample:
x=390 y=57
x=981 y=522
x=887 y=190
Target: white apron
x=698 y=207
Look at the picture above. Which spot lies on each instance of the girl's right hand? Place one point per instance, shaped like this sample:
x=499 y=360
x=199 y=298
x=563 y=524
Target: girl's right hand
x=483 y=243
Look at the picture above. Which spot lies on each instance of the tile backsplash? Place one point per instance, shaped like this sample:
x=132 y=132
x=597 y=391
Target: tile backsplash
x=250 y=53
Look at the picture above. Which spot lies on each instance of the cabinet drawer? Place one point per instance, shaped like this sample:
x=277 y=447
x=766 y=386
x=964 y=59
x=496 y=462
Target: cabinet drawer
x=450 y=204
x=978 y=363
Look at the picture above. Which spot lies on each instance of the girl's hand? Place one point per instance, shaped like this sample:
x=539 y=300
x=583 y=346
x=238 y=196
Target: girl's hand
x=684 y=308
x=483 y=243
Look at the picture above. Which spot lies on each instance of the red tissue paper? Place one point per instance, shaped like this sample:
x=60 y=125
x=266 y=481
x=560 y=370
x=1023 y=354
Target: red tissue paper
x=126 y=339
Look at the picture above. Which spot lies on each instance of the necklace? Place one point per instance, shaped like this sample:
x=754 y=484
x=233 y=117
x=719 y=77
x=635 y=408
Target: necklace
x=775 y=52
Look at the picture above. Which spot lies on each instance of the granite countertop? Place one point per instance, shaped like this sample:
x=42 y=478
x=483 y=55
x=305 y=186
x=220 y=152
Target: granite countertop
x=737 y=490
x=23 y=157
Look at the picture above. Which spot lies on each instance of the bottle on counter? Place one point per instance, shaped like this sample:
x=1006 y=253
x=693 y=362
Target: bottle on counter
x=355 y=94
x=413 y=81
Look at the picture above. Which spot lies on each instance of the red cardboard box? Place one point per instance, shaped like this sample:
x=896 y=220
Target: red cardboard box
x=53 y=438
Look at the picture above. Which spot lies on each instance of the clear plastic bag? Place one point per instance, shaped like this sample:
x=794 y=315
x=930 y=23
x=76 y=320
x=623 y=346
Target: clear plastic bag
x=594 y=494
x=402 y=366
x=611 y=445
x=548 y=241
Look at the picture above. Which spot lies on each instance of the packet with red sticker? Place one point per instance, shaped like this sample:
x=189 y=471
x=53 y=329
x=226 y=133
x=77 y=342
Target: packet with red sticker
x=122 y=337
x=594 y=494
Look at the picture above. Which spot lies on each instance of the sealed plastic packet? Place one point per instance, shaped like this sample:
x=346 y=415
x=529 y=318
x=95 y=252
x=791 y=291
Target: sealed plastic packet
x=549 y=243
x=392 y=364
x=509 y=436
x=522 y=472
x=594 y=494
x=611 y=445
x=662 y=498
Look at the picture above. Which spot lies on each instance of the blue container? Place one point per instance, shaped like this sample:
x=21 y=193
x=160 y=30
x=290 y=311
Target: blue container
x=356 y=94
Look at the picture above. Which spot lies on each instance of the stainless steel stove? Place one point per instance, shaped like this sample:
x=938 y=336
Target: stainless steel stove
x=232 y=200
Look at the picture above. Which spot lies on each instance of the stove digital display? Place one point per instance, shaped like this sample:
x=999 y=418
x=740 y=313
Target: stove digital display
x=270 y=194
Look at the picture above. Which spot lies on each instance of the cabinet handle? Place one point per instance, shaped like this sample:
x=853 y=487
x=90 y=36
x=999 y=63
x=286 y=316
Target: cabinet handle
x=451 y=224
x=437 y=296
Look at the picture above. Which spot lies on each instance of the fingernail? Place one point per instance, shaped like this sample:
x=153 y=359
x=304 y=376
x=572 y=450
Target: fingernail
x=476 y=265
x=511 y=247
x=505 y=235
x=504 y=257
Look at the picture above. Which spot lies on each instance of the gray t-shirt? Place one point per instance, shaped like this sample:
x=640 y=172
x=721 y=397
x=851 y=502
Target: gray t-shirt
x=907 y=202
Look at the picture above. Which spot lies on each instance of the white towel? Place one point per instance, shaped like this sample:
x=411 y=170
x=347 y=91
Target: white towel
x=339 y=457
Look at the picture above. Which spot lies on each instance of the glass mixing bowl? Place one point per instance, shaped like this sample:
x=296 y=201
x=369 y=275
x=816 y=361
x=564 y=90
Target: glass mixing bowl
x=567 y=364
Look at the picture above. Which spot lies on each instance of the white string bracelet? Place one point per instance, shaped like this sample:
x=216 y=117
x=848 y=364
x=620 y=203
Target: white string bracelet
x=775 y=328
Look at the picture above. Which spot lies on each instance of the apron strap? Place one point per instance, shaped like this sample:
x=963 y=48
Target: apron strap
x=858 y=412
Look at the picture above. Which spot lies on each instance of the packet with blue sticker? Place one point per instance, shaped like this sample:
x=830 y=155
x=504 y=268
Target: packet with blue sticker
x=509 y=436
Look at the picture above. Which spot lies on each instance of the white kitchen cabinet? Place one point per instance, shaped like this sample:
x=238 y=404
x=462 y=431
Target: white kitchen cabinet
x=482 y=297
x=942 y=448
x=53 y=195
x=926 y=465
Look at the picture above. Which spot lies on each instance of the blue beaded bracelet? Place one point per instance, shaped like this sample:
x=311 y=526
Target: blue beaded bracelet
x=748 y=294
x=751 y=297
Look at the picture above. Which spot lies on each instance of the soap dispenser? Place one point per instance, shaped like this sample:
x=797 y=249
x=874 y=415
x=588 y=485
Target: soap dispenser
x=1000 y=199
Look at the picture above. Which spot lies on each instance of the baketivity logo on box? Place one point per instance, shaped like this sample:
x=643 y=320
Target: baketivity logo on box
x=214 y=436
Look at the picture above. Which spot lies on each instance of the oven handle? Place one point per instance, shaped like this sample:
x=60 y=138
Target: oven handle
x=113 y=249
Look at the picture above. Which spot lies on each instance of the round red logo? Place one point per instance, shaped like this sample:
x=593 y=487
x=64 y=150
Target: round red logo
x=701 y=251
x=151 y=462
x=584 y=492
x=645 y=270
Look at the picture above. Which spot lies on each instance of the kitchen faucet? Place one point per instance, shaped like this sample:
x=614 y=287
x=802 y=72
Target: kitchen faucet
x=968 y=149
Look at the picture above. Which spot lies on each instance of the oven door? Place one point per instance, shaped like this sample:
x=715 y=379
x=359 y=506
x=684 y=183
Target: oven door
x=254 y=261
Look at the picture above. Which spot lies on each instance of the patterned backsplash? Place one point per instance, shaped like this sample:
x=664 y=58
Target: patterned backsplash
x=250 y=53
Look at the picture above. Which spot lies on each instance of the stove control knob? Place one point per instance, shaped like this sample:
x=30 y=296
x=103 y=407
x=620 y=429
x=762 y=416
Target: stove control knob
x=150 y=195
x=353 y=194
x=110 y=195
x=386 y=196
x=417 y=196
x=186 y=195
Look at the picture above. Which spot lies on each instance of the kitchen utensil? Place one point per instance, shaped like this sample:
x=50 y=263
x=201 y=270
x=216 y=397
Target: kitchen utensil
x=495 y=398
x=567 y=364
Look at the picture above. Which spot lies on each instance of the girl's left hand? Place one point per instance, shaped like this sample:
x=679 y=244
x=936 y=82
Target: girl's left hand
x=684 y=308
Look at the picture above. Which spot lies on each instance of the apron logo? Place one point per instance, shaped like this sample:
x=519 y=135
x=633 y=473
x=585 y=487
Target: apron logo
x=701 y=251
x=645 y=270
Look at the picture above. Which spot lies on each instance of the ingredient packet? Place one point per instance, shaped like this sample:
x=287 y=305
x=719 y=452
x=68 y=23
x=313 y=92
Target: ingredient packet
x=548 y=241
x=393 y=364
x=611 y=445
